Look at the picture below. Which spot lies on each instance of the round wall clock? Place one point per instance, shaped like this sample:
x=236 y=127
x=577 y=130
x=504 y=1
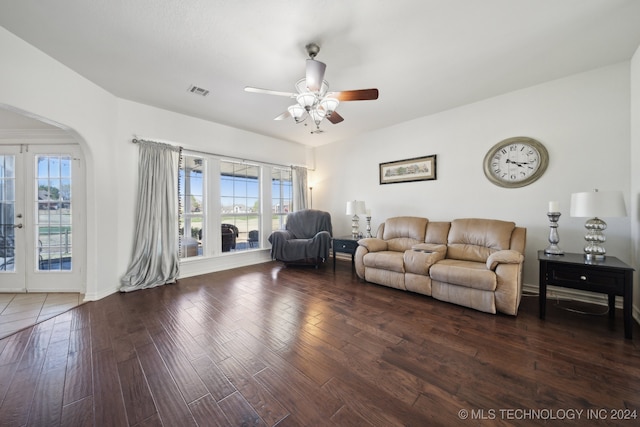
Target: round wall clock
x=516 y=162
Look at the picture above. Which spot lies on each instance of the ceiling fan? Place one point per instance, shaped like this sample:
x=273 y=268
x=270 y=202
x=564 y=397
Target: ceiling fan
x=313 y=98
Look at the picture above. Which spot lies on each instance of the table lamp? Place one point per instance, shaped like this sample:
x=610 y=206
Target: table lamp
x=355 y=208
x=594 y=205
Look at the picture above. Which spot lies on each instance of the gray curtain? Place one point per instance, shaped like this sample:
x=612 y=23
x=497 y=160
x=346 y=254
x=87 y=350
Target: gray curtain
x=155 y=259
x=299 y=188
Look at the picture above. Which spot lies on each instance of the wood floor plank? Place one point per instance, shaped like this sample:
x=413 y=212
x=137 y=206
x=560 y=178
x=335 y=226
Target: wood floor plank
x=289 y=397
x=207 y=412
x=346 y=417
x=19 y=397
x=7 y=372
x=107 y=396
x=239 y=412
x=78 y=413
x=264 y=403
x=370 y=403
x=135 y=391
x=79 y=375
x=171 y=405
x=15 y=344
x=213 y=378
x=287 y=346
x=46 y=409
x=240 y=348
x=183 y=373
x=299 y=395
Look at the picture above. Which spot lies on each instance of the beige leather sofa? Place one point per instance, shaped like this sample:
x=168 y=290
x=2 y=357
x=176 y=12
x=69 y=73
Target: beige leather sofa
x=475 y=263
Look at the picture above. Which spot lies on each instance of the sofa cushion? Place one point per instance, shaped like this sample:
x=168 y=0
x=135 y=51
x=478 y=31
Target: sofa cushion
x=475 y=239
x=403 y=232
x=437 y=232
x=470 y=274
x=386 y=260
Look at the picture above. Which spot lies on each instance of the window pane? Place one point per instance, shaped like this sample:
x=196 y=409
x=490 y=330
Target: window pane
x=54 y=228
x=282 y=193
x=240 y=206
x=193 y=203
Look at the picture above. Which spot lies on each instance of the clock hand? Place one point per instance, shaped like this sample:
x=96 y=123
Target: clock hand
x=517 y=163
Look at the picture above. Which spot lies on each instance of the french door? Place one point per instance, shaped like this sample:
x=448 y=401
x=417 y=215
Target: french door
x=42 y=237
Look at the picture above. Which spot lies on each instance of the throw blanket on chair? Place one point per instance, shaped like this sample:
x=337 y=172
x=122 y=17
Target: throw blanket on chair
x=307 y=237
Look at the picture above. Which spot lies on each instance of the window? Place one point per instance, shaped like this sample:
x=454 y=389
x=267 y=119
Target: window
x=239 y=206
x=282 y=196
x=192 y=203
x=221 y=204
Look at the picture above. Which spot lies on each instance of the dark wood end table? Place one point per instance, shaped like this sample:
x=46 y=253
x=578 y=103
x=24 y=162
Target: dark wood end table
x=610 y=276
x=347 y=245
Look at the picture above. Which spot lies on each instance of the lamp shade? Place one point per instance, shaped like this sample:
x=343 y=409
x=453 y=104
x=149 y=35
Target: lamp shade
x=329 y=105
x=297 y=112
x=602 y=204
x=317 y=115
x=306 y=100
x=356 y=207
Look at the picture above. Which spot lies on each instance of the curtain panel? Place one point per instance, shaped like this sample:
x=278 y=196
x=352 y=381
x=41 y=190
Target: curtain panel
x=155 y=258
x=299 y=188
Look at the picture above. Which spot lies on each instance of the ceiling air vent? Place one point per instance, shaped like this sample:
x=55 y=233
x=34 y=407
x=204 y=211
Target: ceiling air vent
x=198 y=90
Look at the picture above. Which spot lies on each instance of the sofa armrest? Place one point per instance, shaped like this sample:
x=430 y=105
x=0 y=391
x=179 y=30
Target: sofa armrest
x=504 y=257
x=280 y=235
x=419 y=261
x=373 y=244
x=322 y=235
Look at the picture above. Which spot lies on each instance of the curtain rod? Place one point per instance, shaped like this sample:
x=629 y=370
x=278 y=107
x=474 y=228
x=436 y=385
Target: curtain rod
x=136 y=140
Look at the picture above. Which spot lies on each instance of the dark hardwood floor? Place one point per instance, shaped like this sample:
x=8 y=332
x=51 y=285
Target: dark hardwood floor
x=267 y=345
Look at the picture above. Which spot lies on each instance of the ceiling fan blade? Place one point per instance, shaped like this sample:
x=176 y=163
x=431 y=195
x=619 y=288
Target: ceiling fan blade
x=269 y=92
x=315 y=74
x=335 y=118
x=355 y=95
x=283 y=116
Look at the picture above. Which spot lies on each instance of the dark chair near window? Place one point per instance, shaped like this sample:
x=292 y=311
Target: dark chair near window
x=253 y=238
x=306 y=239
x=229 y=236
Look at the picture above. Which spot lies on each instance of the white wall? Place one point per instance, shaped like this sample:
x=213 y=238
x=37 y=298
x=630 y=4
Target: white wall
x=635 y=172
x=582 y=120
x=34 y=83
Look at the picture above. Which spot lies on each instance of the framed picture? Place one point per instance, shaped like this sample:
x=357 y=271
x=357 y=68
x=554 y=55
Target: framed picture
x=416 y=169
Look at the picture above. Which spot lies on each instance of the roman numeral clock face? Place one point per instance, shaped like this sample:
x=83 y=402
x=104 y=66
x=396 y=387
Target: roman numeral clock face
x=515 y=162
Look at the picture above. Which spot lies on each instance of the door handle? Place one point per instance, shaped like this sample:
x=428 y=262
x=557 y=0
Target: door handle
x=17 y=226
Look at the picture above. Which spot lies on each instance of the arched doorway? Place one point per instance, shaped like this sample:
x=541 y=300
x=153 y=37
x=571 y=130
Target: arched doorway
x=42 y=204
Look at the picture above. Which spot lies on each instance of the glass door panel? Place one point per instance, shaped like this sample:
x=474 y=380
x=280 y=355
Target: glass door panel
x=54 y=223
x=7 y=215
x=12 y=277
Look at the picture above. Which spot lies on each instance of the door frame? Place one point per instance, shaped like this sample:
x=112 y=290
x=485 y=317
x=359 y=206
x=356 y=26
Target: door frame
x=51 y=281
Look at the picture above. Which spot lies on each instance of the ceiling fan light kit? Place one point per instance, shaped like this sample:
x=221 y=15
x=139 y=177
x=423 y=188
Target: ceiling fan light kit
x=313 y=98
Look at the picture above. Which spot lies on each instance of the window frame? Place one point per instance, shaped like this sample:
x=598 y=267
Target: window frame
x=245 y=210
x=211 y=242
x=281 y=215
x=185 y=217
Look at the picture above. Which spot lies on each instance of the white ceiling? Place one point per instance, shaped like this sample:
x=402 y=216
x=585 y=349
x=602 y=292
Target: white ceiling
x=424 y=56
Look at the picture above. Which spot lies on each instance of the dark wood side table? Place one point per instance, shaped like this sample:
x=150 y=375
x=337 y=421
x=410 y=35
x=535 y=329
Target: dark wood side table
x=611 y=276
x=347 y=245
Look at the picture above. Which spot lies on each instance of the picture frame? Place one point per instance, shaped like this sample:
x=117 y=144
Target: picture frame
x=408 y=170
